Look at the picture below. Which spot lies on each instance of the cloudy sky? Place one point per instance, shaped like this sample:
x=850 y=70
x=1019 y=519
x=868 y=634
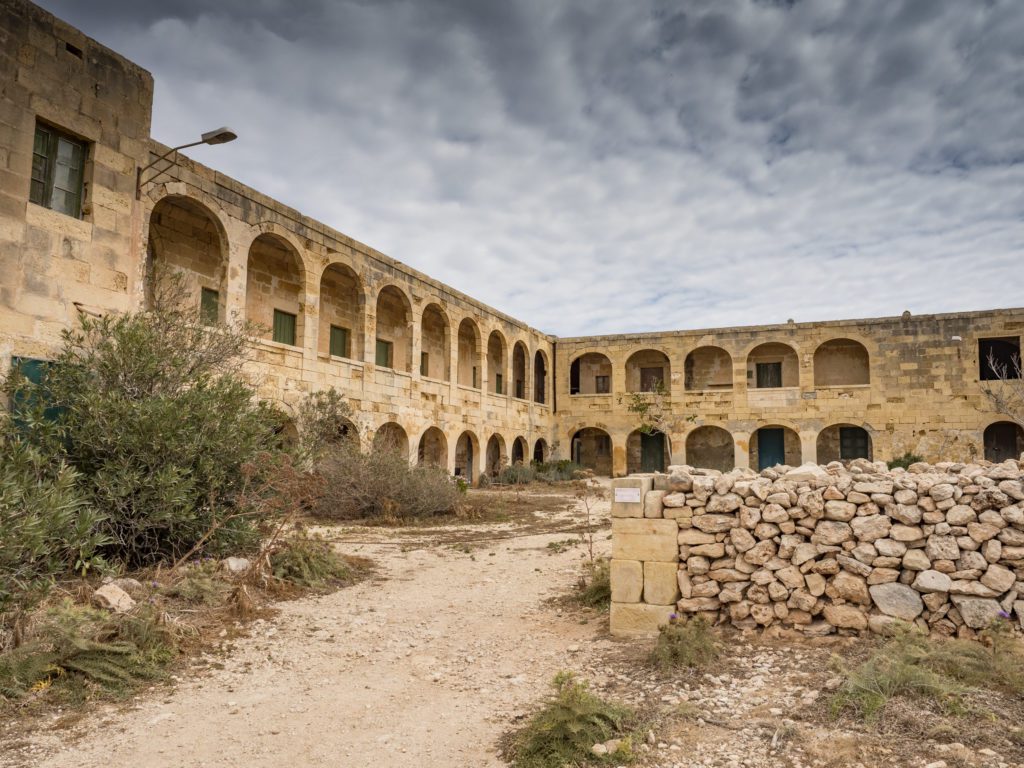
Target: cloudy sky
x=602 y=166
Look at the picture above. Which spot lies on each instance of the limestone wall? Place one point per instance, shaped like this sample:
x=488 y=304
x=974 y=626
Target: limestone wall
x=820 y=549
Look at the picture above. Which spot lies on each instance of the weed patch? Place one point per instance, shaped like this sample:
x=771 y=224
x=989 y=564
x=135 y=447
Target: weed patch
x=595 y=586
x=310 y=562
x=686 y=644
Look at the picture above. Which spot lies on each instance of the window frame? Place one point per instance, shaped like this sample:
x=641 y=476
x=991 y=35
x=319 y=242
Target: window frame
x=280 y=314
x=389 y=347
x=602 y=384
x=767 y=365
x=345 y=334
x=205 y=316
x=44 y=198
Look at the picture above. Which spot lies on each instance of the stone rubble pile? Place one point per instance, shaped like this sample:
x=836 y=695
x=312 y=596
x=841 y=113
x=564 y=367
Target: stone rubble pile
x=852 y=548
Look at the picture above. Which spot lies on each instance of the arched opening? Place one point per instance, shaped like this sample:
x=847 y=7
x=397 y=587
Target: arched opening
x=519 y=370
x=1003 y=440
x=469 y=354
x=590 y=374
x=774 y=445
x=185 y=238
x=341 y=313
x=540 y=451
x=496 y=459
x=394 y=330
x=467 y=449
x=707 y=368
x=273 y=289
x=496 y=362
x=841 y=362
x=646 y=452
x=648 y=371
x=433 y=449
x=772 y=365
x=435 y=347
x=711 y=448
x=843 y=442
x=540 y=377
x=592 y=449
x=287 y=434
x=392 y=437
x=519 y=449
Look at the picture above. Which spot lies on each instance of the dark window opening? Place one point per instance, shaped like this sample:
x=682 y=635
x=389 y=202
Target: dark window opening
x=499 y=384
x=602 y=384
x=853 y=444
x=74 y=50
x=769 y=375
x=384 y=353
x=520 y=389
x=58 y=171
x=999 y=358
x=604 y=445
x=651 y=379
x=209 y=306
x=339 y=341
x=284 y=327
x=574 y=377
x=424 y=363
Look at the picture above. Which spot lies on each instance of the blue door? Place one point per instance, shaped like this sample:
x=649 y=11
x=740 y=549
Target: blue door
x=771 y=447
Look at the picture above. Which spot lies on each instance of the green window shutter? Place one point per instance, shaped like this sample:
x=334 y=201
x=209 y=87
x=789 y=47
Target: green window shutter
x=209 y=306
x=475 y=385
x=35 y=372
x=339 y=341
x=383 y=357
x=498 y=384
x=58 y=171
x=40 y=166
x=424 y=363
x=284 y=327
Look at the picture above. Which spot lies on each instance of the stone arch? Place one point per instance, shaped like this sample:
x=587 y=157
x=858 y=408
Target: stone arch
x=772 y=365
x=707 y=368
x=469 y=354
x=467 y=456
x=592 y=448
x=774 y=444
x=497 y=360
x=188 y=238
x=711 y=447
x=843 y=442
x=496 y=459
x=433 y=449
x=647 y=452
x=275 y=289
x=519 y=371
x=519 y=450
x=540 y=377
x=1003 y=440
x=646 y=368
x=839 y=362
x=391 y=436
x=590 y=374
x=540 y=450
x=435 y=343
x=342 y=307
x=393 y=329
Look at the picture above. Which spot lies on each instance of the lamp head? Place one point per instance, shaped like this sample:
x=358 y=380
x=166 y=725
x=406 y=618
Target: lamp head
x=221 y=135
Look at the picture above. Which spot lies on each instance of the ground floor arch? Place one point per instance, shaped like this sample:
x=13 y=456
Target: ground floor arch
x=773 y=445
x=647 y=452
x=1003 y=440
x=711 y=447
x=467 y=451
x=540 y=450
x=495 y=459
x=843 y=442
x=592 y=449
x=433 y=449
x=519 y=450
x=392 y=437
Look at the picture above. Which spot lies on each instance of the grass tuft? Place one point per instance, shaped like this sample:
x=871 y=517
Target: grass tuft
x=571 y=721
x=309 y=562
x=595 y=586
x=686 y=644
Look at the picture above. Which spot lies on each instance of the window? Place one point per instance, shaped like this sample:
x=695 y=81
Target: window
x=651 y=379
x=604 y=444
x=209 y=306
x=520 y=389
x=474 y=377
x=284 y=327
x=339 y=341
x=853 y=443
x=602 y=385
x=424 y=363
x=35 y=372
x=999 y=358
x=58 y=165
x=769 y=375
x=499 y=384
x=383 y=358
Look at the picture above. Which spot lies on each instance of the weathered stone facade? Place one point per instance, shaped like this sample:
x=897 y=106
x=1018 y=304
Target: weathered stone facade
x=426 y=367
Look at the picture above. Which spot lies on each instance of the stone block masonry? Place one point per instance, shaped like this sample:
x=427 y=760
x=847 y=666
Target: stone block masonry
x=821 y=549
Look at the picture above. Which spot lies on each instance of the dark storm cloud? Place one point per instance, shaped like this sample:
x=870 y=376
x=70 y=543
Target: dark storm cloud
x=609 y=166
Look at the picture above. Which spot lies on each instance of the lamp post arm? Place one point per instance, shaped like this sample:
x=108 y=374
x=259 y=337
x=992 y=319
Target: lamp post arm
x=164 y=156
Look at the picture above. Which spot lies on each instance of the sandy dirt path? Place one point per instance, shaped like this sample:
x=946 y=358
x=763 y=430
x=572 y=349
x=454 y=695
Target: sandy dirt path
x=424 y=666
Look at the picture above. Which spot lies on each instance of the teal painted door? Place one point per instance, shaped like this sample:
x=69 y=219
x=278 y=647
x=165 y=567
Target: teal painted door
x=771 y=448
x=652 y=453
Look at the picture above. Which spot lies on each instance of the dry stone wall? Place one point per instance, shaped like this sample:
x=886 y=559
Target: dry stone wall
x=821 y=549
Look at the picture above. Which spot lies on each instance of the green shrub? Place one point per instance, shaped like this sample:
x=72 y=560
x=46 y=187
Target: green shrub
x=570 y=722
x=905 y=460
x=555 y=471
x=595 y=587
x=382 y=484
x=688 y=644
x=47 y=527
x=324 y=422
x=309 y=562
x=517 y=474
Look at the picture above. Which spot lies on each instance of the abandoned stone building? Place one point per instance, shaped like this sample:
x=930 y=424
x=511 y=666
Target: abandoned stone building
x=428 y=369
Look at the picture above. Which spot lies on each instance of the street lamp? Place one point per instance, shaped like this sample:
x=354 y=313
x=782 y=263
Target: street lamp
x=221 y=135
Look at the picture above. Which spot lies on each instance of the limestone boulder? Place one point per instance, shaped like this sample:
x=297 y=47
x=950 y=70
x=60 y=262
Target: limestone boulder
x=113 y=598
x=977 y=612
x=897 y=600
x=845 y=617
x=871 y=528
x=932 y=581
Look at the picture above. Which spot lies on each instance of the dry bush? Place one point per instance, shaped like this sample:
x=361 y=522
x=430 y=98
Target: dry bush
x=381 y=484
x=686 y=644
x=595 y=586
